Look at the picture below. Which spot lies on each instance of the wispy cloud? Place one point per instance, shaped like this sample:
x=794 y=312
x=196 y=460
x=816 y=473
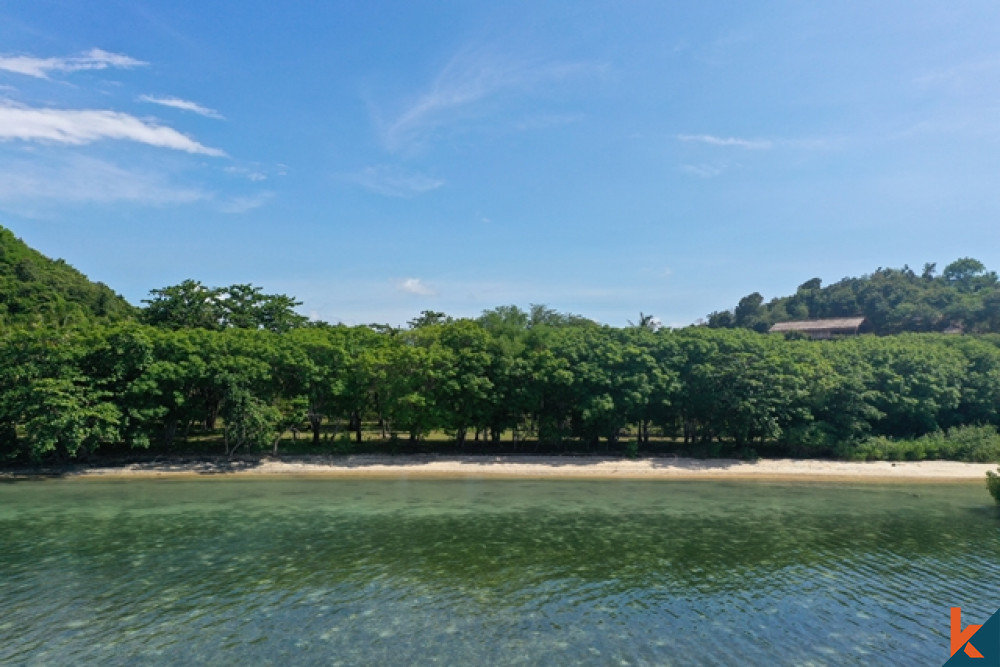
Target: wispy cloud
x=547 y=121
x=469 y=78
x=975 y=75
x=183 y=105
x=83 y=180
x=415 y=286
x=84 y=126
x=703 y=170
x=249 y=174
x=238 y=205
x=95 y=59
x=396 y=182
x=748 y=144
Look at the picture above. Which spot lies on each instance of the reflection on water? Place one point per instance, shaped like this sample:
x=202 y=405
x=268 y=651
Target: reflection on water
x=451 y=572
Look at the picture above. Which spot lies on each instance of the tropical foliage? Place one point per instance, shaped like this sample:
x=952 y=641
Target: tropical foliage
x=232 y=370
x=71 y=391
x=37 y=290
x=965 y=295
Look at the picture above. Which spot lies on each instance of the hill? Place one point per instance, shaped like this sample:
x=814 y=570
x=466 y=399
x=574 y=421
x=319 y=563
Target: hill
x=37 y=290
x=964 y=295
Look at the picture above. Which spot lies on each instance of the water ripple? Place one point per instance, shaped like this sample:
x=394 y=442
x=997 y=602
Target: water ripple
x=489 y=572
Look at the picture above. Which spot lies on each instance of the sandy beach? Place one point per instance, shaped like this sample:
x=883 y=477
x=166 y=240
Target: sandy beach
x=530 y=467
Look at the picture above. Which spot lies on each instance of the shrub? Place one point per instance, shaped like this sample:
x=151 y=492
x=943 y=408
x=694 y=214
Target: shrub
x=980 y=444
x=993 y=484
x=976 y=444
x=343 y=444
x=631 y=449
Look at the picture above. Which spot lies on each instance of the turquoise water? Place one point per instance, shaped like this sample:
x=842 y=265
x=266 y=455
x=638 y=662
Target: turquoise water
x=238 y=571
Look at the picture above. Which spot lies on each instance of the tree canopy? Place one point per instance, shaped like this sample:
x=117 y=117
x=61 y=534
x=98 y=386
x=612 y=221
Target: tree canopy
x=965 y=295
x=84 y=372
x=193 y=305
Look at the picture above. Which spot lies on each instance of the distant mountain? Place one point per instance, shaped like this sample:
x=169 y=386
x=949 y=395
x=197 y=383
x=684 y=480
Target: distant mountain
x=39 y=290
x=965 y=296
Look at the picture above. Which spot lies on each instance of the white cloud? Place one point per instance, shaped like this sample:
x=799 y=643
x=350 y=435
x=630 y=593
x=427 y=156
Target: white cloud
x=415 y=286
x=749 y=144
x=469 y=78
x=183 y=105
x=238 y=205
x=82 y=180
x=84 y=126
x=396 y=182
x=95 y=59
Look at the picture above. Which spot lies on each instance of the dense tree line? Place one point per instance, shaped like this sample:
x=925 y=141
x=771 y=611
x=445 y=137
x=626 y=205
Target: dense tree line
x=83 y=372
x=537 y=376
x=965 y=295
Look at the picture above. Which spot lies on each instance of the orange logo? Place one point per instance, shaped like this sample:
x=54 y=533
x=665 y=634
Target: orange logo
x=960 y=637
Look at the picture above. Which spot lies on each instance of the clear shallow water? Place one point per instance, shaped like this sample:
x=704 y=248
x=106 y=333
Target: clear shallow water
x=228 y=571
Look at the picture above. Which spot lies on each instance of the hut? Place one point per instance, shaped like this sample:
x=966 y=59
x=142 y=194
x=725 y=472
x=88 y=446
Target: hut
x=826 y=328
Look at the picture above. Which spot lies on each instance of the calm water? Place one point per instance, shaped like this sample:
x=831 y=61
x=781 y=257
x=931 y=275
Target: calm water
x=474 y=572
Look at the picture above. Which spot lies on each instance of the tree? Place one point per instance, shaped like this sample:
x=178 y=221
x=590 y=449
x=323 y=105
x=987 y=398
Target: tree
x=192 y=305
x=963 y=273
x=428 y=318
x=46 y=391
x=189 y=305
x=323 y=374
x=749 y=313
x=645 y=322
x=247 y=307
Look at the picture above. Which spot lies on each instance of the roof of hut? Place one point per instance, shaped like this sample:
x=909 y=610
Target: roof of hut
x=829 y=324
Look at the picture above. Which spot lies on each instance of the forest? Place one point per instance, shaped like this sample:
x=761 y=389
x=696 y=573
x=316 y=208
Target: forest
x=965 y=296
x=232 y=370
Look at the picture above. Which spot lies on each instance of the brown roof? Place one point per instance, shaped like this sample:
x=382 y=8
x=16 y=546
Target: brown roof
x=831 y=324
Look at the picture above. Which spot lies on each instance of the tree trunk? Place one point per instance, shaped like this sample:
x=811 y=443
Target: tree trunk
x=169 y=433
x=355 y=425
x=212 y=416
x=315 y=421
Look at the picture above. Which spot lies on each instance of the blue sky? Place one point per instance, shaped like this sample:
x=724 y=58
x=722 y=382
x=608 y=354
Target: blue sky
x=604 y=158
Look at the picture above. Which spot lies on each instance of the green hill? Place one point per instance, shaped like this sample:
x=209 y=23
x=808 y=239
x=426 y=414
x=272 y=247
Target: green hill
x=965 y=295
x=37 y=290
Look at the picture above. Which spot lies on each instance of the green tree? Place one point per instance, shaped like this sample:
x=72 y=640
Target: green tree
x=192 y=305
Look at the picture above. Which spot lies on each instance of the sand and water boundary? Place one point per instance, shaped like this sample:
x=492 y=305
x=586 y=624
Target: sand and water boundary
x=522 y=467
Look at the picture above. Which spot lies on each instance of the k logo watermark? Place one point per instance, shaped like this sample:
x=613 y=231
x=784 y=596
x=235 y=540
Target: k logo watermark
x=974 y=644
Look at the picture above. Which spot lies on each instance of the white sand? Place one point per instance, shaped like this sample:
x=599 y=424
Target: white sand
x=524 y=467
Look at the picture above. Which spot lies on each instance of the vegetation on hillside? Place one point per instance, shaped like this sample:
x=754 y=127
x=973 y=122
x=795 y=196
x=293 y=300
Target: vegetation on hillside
x=964 y=295
x=37 y=290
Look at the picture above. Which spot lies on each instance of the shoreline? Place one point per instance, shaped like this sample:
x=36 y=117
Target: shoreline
x=520 y=467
